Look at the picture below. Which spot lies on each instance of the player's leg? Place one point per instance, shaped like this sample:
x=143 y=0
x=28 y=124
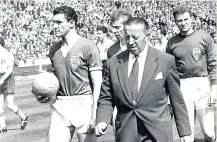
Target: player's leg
x=188 y=95
x=9 y=98
x=204 y=112
x=87 y=137
x=2 y=114
x=9 y=91
x=82 y=130
x=192 y=117
x=59 y=131
x=206 y=120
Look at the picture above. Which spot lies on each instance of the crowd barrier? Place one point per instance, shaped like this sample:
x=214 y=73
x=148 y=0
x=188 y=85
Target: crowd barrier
x=32 y=66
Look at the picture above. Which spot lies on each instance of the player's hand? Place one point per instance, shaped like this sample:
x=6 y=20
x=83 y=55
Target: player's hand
x=100 y=128
x=91 y=125
x=45 y=100
x=186 y=139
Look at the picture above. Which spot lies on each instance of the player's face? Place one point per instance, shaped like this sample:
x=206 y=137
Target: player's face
x=100 y=35
x=117 y=28
x=60 y=25
x=183 y=21
x=135 y=36
x=158 y=34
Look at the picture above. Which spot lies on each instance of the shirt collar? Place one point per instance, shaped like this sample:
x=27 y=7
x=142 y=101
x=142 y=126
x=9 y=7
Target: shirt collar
x=71 y=43
x=122 y=45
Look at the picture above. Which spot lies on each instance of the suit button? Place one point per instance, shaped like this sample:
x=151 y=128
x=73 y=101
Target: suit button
x=134 y=102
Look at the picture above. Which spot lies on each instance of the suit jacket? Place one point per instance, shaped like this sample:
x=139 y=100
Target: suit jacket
x=114 y=49
x=151 y=104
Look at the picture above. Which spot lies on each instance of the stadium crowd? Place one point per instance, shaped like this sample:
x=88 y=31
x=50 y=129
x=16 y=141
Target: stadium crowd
x=26 y=25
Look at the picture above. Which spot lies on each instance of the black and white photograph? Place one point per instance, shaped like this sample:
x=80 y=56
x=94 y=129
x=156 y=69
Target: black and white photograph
x=108 y=71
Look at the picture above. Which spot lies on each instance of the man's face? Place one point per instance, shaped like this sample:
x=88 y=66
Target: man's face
x=100 y=35
x=117 y=28
x=60 y=25
x=135 y=36
x=158 y=34
x=183 y=21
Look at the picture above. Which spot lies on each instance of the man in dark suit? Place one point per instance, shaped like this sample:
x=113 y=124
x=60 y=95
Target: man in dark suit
x=117 y=18
x=138 y=82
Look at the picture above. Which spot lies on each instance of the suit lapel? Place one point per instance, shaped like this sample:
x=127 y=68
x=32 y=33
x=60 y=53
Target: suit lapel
x=123 y=74
x=148 y=72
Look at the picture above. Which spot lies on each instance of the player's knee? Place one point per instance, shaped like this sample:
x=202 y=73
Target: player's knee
x=52 y=136
x=11 y=107
x=209 y=135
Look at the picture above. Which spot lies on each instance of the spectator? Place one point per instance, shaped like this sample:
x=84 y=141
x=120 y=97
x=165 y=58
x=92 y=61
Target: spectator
x=31 y=18
x=213 y=34
x=103 y=43
x=162 y=38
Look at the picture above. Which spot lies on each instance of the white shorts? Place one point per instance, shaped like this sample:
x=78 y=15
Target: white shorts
x=73 y=111
x=196 y=91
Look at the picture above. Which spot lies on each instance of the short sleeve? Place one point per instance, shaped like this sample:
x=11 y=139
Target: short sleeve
x=93 y=58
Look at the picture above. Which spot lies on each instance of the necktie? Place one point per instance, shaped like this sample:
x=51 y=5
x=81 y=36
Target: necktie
x=133 y=79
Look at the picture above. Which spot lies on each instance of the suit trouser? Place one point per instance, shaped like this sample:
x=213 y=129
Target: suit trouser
x=196 y=93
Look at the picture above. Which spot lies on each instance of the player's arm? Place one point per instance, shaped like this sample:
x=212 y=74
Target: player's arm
x=10 y=68
x=105 y=103
x=95 y=67
x=96 y=77
x=211 y=64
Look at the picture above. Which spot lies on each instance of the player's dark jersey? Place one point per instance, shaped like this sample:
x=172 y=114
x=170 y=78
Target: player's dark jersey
x=73 y=71
x=195 y=55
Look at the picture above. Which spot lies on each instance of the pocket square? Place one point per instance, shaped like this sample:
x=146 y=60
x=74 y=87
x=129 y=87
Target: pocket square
x=159 y=76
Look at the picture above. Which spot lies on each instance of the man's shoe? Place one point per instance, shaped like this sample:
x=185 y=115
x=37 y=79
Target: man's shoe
x=3 y=130
x=24 y=123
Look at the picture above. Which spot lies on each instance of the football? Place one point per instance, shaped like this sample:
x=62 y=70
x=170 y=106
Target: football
x=45 y=87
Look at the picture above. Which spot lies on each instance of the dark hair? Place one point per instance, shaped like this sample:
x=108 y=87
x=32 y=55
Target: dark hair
x=119 y=13
x=181 y=9
x=2 y=41
x=213 y=34
x=163 y=30
x=102 y=28
x=69 y=13
x=137 y=20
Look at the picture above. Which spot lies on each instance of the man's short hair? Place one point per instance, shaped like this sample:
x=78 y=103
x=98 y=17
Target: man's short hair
x=137 y=20
x=213 y=34
x=163 y=30
x=181 y=9
x=119 y=13
x=2 y=41
x=69 y=13
x=102 y=28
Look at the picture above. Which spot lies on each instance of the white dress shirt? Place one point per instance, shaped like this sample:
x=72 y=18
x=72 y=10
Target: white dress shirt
x=103 y=48
x=123 y=46
x=6 y=60
x=141 y=60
